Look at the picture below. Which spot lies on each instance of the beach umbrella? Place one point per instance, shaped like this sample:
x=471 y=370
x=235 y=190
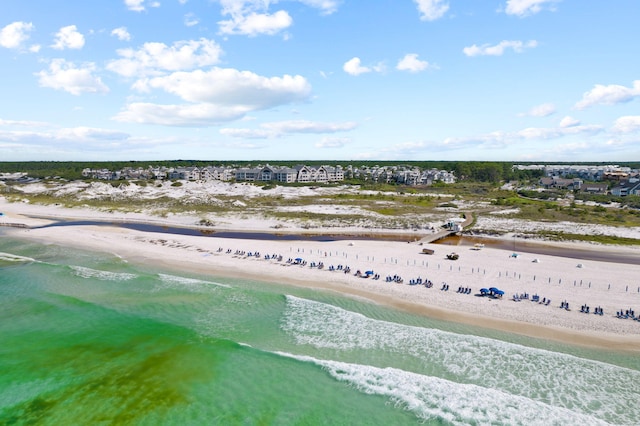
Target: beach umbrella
x=298 y=259
x=369 y=272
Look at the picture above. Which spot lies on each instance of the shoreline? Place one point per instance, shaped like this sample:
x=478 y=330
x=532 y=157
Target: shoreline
x=602 y=284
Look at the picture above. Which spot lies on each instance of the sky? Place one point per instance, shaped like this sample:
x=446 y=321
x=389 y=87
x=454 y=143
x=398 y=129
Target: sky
x=392 y=80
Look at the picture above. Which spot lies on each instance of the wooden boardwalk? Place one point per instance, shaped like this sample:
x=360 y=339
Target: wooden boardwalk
x=446 y=232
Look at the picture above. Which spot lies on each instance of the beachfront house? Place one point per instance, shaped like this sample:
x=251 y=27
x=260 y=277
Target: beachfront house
x=285 y=174
x=595 y=188
x=625 y=188
x=248 y=174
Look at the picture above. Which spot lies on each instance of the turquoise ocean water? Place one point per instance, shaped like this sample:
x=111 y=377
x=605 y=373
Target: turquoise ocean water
x=87 y=338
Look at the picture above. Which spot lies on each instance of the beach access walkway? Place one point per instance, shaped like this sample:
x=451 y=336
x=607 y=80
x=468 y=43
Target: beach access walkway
x=448 y=230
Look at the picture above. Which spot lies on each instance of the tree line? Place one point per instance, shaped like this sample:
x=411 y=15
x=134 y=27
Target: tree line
x=478 y=171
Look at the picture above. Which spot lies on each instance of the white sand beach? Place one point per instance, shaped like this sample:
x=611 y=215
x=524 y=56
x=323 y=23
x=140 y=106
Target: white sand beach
x=609 y=285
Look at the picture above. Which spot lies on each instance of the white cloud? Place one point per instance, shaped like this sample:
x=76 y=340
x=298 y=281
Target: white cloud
x=182 y=1
x=254 y=24
x=35 y=48
x=228 y=86
x=430 y=10
x=498 y=49
x=63 y=75
x=569 y=122
x=135 y=5
x=84 y=133
x=65 y=137
x=180 y=115
x=121 y=33
x=13 y=35
x=627 y=124
x=215 y=96
x=252 y=17
x=353 y=67
x=22 y=123
x=411 y=63
x=191 y=20
x=281 y=128
x=155 y=58
x=543 y=110
x=523 y=8
x=326 y=6
x=333 y=142
x=500 y=139
x=557 y=132
x=609 y=95
x=68 y=38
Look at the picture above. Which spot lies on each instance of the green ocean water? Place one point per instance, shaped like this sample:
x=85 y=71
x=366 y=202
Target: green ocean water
x=87 y=338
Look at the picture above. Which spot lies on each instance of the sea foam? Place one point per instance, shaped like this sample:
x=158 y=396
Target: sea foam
x=432 y=398
x=188 y=282
x=8 y=257
x=85 y=272
x=556 y=379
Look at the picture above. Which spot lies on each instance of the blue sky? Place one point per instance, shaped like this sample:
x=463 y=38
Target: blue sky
x=502 y=80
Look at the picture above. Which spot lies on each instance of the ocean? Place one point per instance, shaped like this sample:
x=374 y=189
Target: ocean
x=89 y=338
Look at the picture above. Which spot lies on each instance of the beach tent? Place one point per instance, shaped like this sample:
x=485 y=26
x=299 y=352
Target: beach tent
x=496 y=292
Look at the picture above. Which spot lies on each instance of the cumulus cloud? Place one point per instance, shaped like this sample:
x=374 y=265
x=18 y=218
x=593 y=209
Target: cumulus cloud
x=569 y=122
x=609 y=95
x=121 y=33
x=252 y=17
x=68 y=38
x=430 y=10
x=155 y=58
x=281 y=128
x=542 y=110
x=523 y=8
x=499 y=49
x=627 y=124
x=214 y=96
x=354 y=67
x=63 y=75
x=411 y=63
x=134 y=5
x=15 y=34
x=228 y=86
x=254 y=24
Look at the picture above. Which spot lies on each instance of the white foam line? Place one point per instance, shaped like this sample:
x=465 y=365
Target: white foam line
x=85 y=272
x=172 y=279
x=15 y=258
x=434 y=398
x=555 y=378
